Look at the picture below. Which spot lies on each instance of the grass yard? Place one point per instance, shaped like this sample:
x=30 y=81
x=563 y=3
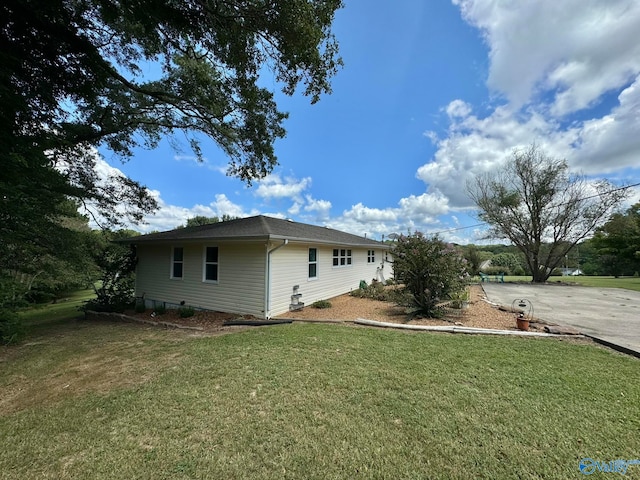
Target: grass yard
x=51 y=314
x=302 y=401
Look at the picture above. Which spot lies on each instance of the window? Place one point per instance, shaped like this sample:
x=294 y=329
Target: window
x=210 y=271
x=177 y=261
x=313 y=263
x=371 y=256
x=341 y=257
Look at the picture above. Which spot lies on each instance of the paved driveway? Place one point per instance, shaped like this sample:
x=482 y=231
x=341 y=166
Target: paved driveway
x=612 y=314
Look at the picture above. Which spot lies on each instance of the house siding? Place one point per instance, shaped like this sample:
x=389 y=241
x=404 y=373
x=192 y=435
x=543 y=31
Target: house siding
x=240 y=286
x=289 y=267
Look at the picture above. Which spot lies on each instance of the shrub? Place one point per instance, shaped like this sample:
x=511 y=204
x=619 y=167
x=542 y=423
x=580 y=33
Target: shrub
x=430 y=271
x=185 y=312
x=375 y=291
x=11 y=329
x=321 y=304
x=140 y=307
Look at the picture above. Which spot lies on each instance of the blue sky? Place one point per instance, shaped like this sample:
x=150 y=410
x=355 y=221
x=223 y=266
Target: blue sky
x=432 y=93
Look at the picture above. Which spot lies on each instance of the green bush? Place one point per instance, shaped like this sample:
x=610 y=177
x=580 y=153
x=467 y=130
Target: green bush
x=11 y=328
x=186 y=312
x=430 y=270
x=496 y=270
x=321 y=304
x=375 y=291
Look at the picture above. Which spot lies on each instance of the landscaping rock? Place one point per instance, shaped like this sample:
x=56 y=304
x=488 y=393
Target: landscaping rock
x=561 y=330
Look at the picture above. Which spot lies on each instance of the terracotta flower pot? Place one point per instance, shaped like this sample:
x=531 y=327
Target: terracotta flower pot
x=522 y=324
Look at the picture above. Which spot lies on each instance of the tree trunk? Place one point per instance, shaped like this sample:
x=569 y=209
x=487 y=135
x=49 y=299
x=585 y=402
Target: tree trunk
x=540 y=275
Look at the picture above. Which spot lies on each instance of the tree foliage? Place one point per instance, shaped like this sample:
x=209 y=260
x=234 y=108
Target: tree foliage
x=200 y=220
x=509 y=261
x=74 y=73
x=115 y=285
x=45 y=256
x=430 y=271
x=541 y=208
x=617 y=243
x=473 y=257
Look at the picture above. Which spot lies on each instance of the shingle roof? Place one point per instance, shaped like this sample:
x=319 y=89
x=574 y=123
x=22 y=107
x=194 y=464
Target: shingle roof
x=259 y=227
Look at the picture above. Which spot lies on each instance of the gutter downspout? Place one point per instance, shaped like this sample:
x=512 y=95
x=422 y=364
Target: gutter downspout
x=267 y=283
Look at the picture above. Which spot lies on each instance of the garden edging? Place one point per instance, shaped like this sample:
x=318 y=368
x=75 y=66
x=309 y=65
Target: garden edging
x=457 y=329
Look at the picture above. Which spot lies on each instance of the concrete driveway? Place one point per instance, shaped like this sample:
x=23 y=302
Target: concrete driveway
x=610 y=314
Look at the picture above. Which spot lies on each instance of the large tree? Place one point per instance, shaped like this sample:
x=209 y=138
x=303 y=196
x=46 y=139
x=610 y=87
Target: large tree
x=543 y=209
x=80 y=74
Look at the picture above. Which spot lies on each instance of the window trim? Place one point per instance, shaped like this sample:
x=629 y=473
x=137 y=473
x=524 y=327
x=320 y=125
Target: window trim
x=173 y=263
x=312 y=262
x=205 y=263
x=343 y=258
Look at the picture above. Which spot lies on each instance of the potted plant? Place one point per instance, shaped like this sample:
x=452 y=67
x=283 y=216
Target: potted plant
x=524 y=313
x=460 y=299
x=522 y=322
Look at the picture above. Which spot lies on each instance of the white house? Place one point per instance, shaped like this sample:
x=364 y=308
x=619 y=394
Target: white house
x=260 y=265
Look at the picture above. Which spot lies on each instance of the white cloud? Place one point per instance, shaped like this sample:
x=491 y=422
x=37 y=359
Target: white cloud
x=274 y=186
x=612 y=142
x=168 y=216
x=575 y=49
x=458 y=108
x=364 y=214
x=477 y=145
x=187 y=158
x=321 y=207
x=294 y=209
x=223 y=206
x=424 y=208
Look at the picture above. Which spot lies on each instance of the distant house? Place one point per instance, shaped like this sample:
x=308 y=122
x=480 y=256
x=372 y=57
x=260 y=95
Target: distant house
x=571 y=272
x=260 y=265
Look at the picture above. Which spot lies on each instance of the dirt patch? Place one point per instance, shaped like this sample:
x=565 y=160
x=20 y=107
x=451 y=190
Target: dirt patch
x=208 y=322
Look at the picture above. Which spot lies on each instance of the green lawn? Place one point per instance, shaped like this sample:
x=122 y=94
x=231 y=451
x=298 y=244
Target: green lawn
x=51 y=314
x=629 y=283
x=300 y=401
